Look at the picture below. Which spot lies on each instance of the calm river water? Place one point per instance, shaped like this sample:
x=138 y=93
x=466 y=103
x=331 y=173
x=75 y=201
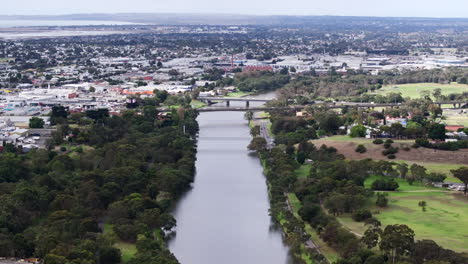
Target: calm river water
x=224 y=218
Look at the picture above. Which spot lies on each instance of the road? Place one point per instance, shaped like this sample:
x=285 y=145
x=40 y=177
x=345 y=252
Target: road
x=265 y=134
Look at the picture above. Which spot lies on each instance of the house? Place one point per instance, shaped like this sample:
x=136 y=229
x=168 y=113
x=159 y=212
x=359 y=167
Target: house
x=453 y=128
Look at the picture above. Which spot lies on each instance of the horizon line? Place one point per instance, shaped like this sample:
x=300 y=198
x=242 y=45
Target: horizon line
x=221 y=13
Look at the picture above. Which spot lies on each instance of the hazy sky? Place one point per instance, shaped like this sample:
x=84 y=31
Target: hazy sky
x=429 y=8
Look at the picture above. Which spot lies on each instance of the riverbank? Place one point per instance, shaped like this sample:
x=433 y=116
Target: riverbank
x=313 y=250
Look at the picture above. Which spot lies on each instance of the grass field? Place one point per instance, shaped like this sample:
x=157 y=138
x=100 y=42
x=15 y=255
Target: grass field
x=128 y=250
x=303 y=171
x=238 y=94
x=197 y=104
x=443 y=221
x=413 y=90
x=461 y=120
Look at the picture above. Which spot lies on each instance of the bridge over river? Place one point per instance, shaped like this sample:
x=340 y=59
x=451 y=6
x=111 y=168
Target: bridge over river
x=332 y=105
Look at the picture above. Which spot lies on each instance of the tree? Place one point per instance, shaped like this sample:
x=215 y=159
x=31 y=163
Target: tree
x=437 y=93
x=418 y=173
x=248 y=115
x=371 y=236
x=284 y=71
x=255 y=131
x=358 y=131
x=159 y=64
x=382 y=200
x=257 y=144
x=402 y=169
x=59 y=115
x=437 y=131
x=36 y=122
x=109 y=255
x=436 y=177
x=396 y=241
x=462 y=175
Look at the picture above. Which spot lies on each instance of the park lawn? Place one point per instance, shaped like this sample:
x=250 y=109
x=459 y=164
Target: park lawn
x=330 y=254
x=197 y=104
x=404 y=186
x=303 y=171
x=443 y=221
x=128 y=250
x=461 y=120
x=413 y=90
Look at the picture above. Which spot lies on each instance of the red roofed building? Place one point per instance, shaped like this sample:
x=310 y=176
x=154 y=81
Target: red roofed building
x=453 y=128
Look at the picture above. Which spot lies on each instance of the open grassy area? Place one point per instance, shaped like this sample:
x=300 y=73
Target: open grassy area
x=443 y=221
x=197 y=104
x=128 y=250
x=461 y=120
x=413 y=90
x=303 y=171
x=238 y=94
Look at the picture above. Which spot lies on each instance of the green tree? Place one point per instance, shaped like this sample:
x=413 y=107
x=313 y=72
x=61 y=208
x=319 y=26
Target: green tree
x=358 y=131
x=371 y=236
x=257 y=144
x=382 y=200
x=462 y=175
x=255 y=131
x=397 y=241
x=402 y=169
x=418 y=173
x=248 y=115
x=437 y=131
x=36 y=122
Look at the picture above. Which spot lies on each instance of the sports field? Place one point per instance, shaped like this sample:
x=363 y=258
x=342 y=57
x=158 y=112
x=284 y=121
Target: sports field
x=413 y=90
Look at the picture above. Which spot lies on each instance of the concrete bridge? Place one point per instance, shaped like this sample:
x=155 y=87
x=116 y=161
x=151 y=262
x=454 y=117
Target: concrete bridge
x=247 y=100
x=335 y=105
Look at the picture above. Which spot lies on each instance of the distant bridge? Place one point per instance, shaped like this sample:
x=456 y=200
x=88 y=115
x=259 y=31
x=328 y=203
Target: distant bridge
x=247 y=100
x=335 y=105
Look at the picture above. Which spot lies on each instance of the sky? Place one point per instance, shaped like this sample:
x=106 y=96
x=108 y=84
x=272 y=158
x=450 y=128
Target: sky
x=394 y=8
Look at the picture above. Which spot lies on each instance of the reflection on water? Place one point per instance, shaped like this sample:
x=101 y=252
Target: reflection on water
x=224 y=218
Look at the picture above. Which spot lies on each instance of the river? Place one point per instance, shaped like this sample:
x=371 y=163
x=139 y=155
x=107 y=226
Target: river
x=224 y=218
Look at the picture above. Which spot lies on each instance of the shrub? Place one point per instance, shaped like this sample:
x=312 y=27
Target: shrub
x=422 y=142
x=391 y=156
x=382 y=200
x=377 y=141
x=389 y=151
x=63 y=149
x=388 y=141
x=387 y=145
x=361 y=215
x=360 y=148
